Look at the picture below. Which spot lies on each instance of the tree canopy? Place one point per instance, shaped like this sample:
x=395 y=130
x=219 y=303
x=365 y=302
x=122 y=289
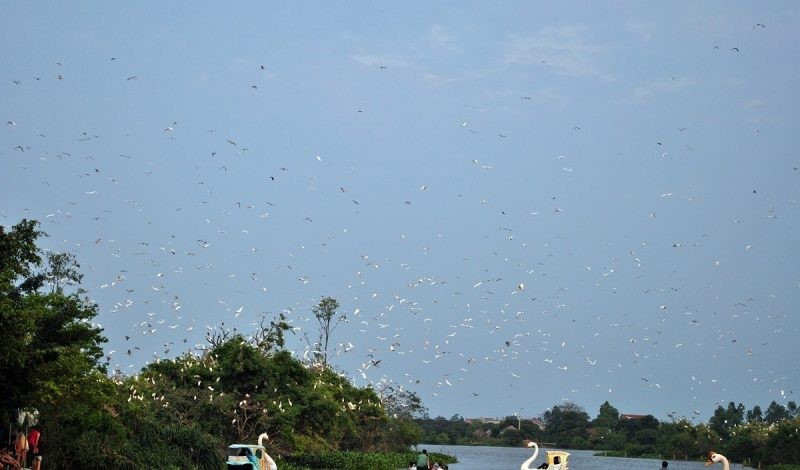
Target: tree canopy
x=325 y=313
x=181 y=412
x=49 y=344
x=607 y=417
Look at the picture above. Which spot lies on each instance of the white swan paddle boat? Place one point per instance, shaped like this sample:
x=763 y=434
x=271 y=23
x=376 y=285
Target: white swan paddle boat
x=554 y=459
x=250 y=456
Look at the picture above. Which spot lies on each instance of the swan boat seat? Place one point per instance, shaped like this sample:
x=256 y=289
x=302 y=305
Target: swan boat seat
x=248 y=457
x=563 y=459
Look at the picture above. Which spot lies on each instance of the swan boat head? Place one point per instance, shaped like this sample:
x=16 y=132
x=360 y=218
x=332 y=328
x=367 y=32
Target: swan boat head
x=527 y=464
x=714 y=457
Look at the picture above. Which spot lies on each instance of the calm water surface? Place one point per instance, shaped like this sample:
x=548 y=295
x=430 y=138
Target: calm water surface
x=510 y=458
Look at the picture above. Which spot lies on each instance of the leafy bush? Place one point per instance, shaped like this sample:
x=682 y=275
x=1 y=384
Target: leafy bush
x=361 y=460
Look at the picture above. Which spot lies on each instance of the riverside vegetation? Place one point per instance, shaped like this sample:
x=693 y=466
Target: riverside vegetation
x=182 y=413
x=754 y=437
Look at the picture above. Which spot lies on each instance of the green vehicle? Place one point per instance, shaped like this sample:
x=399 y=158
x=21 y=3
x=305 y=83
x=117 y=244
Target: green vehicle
x=250 y=456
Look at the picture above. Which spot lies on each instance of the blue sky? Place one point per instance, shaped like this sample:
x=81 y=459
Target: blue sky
x=515 y=203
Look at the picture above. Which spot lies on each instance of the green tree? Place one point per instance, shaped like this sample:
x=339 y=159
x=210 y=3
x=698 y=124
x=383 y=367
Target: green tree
x=579 y=442
x=647 y=436
x=511 y=437
x=400 y=402
x=735 y=414
x=775 y=412
x=679 y=439
x=565 y=422
x=63 y=271
x=325 y=313
x=784 y=442
x=748 y=441
x=606 y=439
x=102 y=429
x=49 y=344
x=404 y=432
x=607 y=417
x=724 y=419
x=271 y=338
x=719 y=420
x=633 y=426
x=703 y=438
x=236 y=390
x=792 y=410
x=755 y=414
x=530 y=431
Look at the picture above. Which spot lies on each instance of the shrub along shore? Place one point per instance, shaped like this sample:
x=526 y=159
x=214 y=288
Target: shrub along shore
x=357 y=460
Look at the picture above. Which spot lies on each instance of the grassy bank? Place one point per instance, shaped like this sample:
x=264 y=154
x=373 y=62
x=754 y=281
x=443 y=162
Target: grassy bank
x=356 y=460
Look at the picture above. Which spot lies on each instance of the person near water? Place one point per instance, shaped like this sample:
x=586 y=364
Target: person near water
x=423 y=462
x=21 y=447
x=34 y=446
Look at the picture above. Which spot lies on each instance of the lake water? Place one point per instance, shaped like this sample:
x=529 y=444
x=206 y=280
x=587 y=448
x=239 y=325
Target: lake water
x=510 y=458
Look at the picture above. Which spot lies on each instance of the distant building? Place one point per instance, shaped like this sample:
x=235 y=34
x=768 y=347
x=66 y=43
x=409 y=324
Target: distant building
x=483 y=420
x=628 y=416
x=508 y=428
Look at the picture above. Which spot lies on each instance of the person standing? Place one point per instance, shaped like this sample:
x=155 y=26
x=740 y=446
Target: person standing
x=423 y=462
x=34 y=444
x=21 y=447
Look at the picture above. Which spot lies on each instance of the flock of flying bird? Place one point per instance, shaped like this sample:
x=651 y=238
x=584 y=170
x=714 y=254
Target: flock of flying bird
x=239 y=236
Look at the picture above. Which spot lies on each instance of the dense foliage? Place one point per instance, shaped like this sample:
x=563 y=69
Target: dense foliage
x=742 y=436
x=360 y=461
x=179 y=413
x=49 y=350
x=182 y=413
